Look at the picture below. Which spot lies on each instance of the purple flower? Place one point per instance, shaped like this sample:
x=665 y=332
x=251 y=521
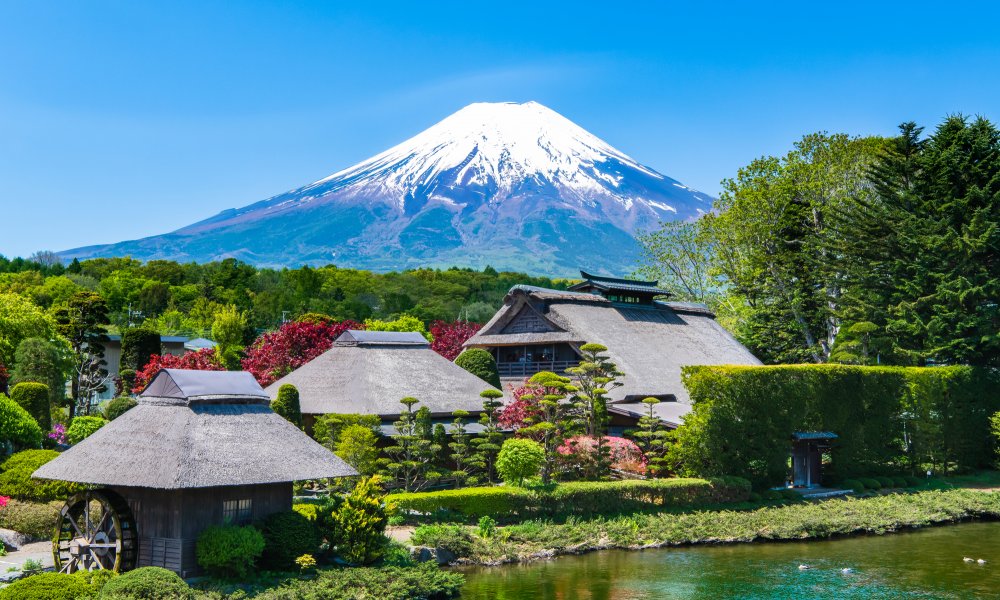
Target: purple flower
x=58 y=433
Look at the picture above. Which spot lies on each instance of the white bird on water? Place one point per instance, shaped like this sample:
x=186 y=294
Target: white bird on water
x=804 y=567
x=847 y=570
x=967 y=559
x=981 y=561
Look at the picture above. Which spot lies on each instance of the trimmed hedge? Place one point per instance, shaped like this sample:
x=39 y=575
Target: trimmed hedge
x=118 y=407
x=16 y=481
x=287 y=536
x=573 y=498
x=147 y=583
x=83 y=427
x=229 y=551
x=743 y=418
x=17 y=427
x=50 y=586
x=480 y=363
x=34 y=398
x=35 y=519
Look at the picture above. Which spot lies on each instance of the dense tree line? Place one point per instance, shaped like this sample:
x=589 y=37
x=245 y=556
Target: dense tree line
x=853 y=250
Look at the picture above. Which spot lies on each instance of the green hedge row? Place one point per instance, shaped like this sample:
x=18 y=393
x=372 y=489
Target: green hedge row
x=888 y=419
x=584 y=498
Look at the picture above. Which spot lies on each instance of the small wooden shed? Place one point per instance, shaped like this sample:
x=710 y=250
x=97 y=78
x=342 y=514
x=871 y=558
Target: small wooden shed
x=807 y=457
x=202 y=448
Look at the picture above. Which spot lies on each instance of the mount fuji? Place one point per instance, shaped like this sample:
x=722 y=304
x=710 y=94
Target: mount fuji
x=515 y=186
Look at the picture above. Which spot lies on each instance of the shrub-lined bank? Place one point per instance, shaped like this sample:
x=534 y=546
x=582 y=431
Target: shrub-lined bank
x=835 y=517
x=579 y=498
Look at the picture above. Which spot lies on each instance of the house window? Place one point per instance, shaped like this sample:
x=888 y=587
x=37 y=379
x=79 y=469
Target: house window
x=237 y=512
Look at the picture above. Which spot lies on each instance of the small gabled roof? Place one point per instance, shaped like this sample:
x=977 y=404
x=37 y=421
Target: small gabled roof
x=186 y=384
x=196 y=429
x=356 y=337
x=610 y=284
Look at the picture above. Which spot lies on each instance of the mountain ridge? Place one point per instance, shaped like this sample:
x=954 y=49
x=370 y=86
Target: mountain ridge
x=503 y=184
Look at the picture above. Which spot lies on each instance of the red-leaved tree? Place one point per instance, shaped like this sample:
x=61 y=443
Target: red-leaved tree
x=277 y=353
x=449 y=337
x=201 y=360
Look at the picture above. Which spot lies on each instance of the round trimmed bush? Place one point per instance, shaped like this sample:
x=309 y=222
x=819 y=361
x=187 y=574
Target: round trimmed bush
x=899 y=482
x=870 y=483
x=755 y=497
x=118 y=407
x=771 y=495
x=287 y=536
x=17 y=426
x=34 y=398
x=791 y=495
x=885 y=482
x=228 y=551
x=48 y=586
x=480 y=363
x=83 y=427
x=519 y=459
x=287 y=404
x=853 y=484
x=147 y=583
x=912 y=481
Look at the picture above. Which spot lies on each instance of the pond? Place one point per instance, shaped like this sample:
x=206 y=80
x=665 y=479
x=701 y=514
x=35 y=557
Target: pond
x=922 y=564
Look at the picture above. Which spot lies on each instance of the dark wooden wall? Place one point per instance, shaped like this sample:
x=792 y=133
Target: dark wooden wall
x=168 y=522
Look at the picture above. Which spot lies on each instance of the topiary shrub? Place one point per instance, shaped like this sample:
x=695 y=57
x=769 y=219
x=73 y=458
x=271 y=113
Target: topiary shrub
x=287 y=536
x=16 y=481
x=519 y=459
x=229 y=551
x=899 y=482
x=139 y=344
x=853 y=484
x=118 y=407
x=870 y=483
x=771 y=495
x=360 y=521
x=480 y=363
x=83 y=427
x=18 y=429
x=49 y=586
x=147 y=583
x=287 y=404
x=34 y=519
x=885 y=482
x=34 y=398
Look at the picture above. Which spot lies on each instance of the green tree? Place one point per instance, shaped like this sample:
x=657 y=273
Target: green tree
x=228 y=329
x=357 y=446
x=45 y=362
x=82 y=427
x=360 y=523
x=480 y=363
x=403 y=323
x=18 y=429
x=593 y=378
x=118 y=407
x=995 y=429
x=549 y=420
x=20 y=319
x=487 y=442
x=462 y=455
x=287 y=404
x=138 y=345
x=34 y=398
x=678 y=255
x=652 y=437
x=82 y=322
x=328 y=428
x=519 y=459
x=410 y=457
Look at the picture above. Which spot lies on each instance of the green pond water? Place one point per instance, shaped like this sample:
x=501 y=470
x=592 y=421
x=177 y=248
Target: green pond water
x=921 y=564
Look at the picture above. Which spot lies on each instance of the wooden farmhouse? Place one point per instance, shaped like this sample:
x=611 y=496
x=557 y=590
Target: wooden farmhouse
x=648 y=337
x=369 y=372
x=202 y=448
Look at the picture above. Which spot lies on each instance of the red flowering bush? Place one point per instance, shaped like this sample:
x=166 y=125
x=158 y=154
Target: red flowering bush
x=624 y=453
x=449 y=337
x=202 y=360
x=519 y=412
x=277 y=353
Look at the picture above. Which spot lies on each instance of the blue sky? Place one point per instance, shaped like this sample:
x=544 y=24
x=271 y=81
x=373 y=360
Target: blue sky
x=120 y=120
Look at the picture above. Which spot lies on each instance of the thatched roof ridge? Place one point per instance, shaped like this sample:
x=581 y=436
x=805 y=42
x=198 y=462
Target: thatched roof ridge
x=372 y=378
x=192 y=386
x=360 y=337
x=175 y=443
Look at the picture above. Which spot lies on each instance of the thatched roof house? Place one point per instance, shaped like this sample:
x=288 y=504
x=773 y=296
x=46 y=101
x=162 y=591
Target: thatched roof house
x=648 y=337
x=200 y=448
x=369 y=372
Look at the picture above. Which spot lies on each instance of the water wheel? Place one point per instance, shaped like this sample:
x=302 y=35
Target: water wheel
x=96 y=531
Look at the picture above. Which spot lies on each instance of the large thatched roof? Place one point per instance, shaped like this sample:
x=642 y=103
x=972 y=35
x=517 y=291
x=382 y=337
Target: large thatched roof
x=649 y=343
x=370 y=372
x=196 y=429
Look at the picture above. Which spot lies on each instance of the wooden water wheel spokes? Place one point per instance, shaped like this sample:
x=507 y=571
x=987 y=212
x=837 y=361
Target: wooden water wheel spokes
x=96 y=531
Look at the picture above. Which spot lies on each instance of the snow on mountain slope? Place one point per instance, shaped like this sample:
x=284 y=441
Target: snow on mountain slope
x=507 y=184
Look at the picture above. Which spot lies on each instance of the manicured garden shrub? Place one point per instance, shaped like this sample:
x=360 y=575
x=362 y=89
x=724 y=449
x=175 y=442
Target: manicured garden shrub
x=771 y=495
x=139 y=344
x=83 y=427
x=16 y=481
x=359 y=524
x=912 y=481
x=853 y=484
x=790 y=495
x=899 y=482
x=885 y=482
x=229 y=551
x=944 y=410
x=118 y=407
x=451 y=538
x=424 y=582
x=18 y=429
x=34 y=398
x=480 y=363
x=147 y=583
x=287 y=404
x=755 y=497
x=287 y=536
x=36 y=519
x=870 y=483
x=49 y=586
x=573 y=498
x=519 y=459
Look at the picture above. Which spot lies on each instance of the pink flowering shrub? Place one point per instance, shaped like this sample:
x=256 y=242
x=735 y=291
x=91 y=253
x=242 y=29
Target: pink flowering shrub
x=624 y=453
x=4 y=500
x=58 y=434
